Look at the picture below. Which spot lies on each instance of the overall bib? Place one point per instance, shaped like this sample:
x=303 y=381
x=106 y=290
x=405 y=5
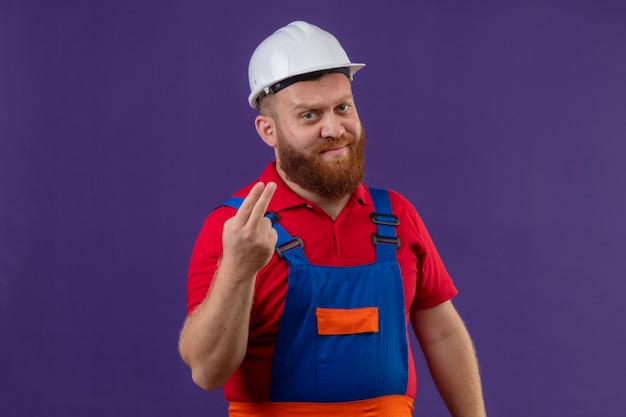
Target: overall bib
x=343 y=333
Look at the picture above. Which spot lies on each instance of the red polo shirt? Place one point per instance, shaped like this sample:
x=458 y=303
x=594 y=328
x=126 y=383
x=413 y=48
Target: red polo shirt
x=345 y=241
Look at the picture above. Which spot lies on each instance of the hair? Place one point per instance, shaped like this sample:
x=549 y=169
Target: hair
x=266 y=106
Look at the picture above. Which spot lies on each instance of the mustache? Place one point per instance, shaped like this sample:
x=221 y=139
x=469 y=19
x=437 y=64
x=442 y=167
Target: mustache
x=334 y=142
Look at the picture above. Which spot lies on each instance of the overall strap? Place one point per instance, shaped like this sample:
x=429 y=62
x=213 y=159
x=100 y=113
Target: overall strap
x=288 y=247
x=385 y=239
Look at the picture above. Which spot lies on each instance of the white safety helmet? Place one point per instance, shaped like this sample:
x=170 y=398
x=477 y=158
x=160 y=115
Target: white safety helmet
x=295 y=50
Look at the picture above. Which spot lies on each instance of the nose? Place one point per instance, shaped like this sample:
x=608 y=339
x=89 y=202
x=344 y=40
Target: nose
x=332 y=126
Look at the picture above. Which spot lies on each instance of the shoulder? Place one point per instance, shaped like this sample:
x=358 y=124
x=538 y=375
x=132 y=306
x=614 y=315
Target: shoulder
x=401 y=206
x=410 y=220
x=399 y=200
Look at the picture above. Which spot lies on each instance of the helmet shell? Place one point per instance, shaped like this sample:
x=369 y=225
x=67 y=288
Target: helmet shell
x=296 y=49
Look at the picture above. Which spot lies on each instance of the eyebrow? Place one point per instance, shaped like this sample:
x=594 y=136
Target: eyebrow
x=306 y=106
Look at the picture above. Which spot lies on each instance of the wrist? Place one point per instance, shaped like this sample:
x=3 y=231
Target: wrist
x=236 y=270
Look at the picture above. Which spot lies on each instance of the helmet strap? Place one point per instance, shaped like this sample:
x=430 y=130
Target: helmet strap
x=273 y=89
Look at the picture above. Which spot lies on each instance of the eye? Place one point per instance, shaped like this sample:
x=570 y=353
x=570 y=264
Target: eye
x=308 y=115
x=342 y=108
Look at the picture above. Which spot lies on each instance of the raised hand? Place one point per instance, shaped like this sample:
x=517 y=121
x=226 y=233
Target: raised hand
x=248 y=238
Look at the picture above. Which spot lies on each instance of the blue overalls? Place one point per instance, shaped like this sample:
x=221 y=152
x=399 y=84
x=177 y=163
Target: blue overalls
x=343 y=332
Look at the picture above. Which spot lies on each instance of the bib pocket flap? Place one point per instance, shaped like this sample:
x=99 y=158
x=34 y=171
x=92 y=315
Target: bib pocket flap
x=344 y=321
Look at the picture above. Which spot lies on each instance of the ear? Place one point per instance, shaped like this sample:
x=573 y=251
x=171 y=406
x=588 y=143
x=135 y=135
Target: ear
x=266 y=128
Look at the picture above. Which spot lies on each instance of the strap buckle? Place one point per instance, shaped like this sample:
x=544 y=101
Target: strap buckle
x=376 y=238
x=294 y=243
x=273 y=216
x=384 y=219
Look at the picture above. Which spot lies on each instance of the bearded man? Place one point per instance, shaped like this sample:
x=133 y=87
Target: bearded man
x=301 y=287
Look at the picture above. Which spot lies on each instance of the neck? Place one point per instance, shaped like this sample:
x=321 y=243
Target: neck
x=332 y=206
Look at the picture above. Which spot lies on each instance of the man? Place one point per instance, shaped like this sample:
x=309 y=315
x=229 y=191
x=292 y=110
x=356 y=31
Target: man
x=301 y=288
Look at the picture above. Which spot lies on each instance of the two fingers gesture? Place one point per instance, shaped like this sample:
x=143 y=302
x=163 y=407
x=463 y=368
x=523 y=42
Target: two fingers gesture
x=248 y=237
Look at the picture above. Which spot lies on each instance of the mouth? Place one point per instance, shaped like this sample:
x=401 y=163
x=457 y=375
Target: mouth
x=336 y=150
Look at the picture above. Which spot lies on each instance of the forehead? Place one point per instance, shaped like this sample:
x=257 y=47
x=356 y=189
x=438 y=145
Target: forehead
x=328 y=90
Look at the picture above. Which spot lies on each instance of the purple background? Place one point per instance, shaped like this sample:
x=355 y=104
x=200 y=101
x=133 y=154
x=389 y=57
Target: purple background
x=123 y=123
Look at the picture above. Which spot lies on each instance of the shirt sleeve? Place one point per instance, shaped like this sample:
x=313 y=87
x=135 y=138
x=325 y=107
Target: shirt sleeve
x=205 y=257
x=433 y=284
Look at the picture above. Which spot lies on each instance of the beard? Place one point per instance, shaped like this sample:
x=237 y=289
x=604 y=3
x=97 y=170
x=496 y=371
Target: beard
x=330 y=179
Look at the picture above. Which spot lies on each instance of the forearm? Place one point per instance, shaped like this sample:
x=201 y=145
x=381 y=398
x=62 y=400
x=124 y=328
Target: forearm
x=214 y=338
x=454 y=368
